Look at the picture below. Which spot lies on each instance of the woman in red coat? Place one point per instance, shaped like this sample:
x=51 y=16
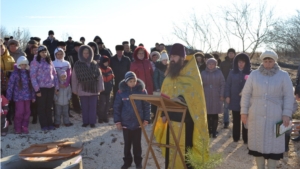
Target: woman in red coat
x=142 y=67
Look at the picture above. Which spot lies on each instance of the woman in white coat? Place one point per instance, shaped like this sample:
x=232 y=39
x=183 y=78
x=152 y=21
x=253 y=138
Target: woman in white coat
x=267 y=98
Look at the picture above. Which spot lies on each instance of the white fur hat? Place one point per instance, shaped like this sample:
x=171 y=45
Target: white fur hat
x=269 y=54
x=22 y=60
x=164 y=56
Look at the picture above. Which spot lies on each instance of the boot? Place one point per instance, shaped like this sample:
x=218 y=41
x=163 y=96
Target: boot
x=271 y=164
x=260 y=162
x=287 y=141
x=214 y=128
x=297 y=138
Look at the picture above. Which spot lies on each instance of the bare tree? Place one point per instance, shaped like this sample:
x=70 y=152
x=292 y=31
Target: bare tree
x=250 y=24
x=3 y=32
x=23 y=36
x=65 y=36
x=285 y=35
x=200 y=32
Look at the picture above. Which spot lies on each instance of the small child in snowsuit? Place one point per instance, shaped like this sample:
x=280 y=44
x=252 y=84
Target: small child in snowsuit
x=21 y=92
x=62 y=101
x=4 y=110
x=125 y=118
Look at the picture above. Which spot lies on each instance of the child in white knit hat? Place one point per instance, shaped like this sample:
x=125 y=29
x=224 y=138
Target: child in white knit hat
x=21 y=92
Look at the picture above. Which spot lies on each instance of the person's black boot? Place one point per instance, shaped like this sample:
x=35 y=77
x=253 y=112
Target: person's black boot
x=287 y=141
x=296 y=138
x=226 y=124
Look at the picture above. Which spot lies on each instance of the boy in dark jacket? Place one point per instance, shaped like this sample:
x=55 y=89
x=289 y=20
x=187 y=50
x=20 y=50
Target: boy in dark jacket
x=108 y=79
x=125 y=118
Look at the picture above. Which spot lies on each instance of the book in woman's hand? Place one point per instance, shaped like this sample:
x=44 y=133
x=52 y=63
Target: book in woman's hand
x=281 y=129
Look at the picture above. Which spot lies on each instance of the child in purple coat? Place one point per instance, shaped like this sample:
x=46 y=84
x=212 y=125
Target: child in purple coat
x=21 y=92
x=45 y=83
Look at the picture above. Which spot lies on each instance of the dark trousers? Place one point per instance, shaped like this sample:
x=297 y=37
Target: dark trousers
x=89 y=109
x=132 y=137
x=44 y=104
x=189 y=129
x=212 y=123
x=104 y=103
x=236 y=129
x=11 y=112
x=33 y=109
x=75 y=103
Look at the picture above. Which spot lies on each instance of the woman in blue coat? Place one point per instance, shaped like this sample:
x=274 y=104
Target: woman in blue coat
x=233 y=89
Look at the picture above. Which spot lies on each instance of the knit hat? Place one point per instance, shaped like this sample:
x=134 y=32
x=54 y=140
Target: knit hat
x=119 y=47
x=178 y=49
x=129 y=75
x=211 y=60
x=155 y=53
x=22 y=60
x=269 y=54
x=164 y=56
x=105 y=59
x=12 y=41
x=82 y=38
x=231 y=50
x=51 y=32
x=42 y=48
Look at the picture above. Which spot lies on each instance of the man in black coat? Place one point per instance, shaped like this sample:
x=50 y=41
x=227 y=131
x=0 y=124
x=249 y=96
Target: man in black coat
x=120 y=64
x=51 y=44
x=225 y=67
x=127 y=51
x=102 y=50
x=70 y=45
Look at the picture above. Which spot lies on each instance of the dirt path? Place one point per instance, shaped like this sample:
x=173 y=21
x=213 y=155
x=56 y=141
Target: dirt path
x=103 y=146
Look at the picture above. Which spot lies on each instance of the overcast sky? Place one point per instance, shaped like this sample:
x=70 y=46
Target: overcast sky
x=115 y=20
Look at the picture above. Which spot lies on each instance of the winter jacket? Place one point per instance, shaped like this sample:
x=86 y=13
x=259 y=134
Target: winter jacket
x=7 y=63
x=265 y=99
x=77 y=87
x=159 y=75
x=63 y=97
x=130 y=55
x=63 y=65
x=43 y=75
x=226 y=66
x=108 y=79
x=72 y=58
x=14 y=92
x=17 y=54
x=143 y=70
x=70 y=47
x=97 y=56
x=120 y=67
x=236 y=81
x=214 y=85
x=30 y=58
x=51 y=46
x=123 y=110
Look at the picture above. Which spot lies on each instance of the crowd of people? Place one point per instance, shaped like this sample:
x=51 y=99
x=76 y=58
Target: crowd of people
x=50 y=78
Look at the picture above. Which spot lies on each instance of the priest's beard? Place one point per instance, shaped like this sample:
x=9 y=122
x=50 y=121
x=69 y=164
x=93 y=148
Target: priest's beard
x=174 y=68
